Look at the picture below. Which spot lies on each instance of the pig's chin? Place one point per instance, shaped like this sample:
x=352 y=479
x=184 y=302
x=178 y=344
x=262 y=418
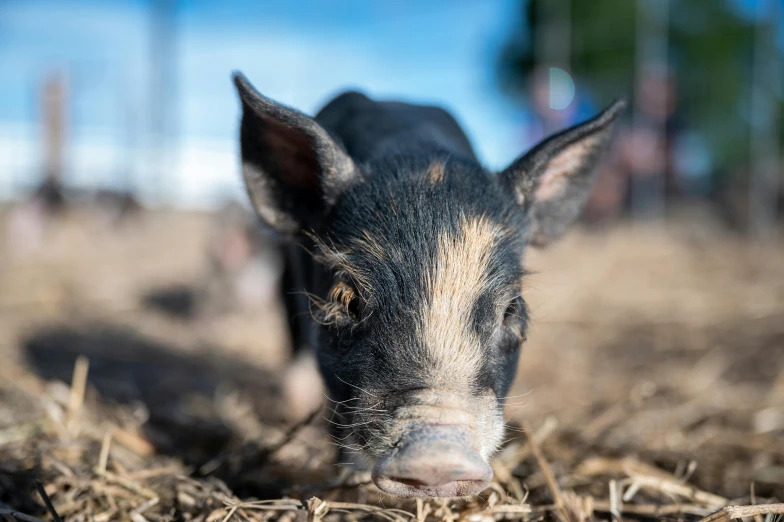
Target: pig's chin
x=418 y=490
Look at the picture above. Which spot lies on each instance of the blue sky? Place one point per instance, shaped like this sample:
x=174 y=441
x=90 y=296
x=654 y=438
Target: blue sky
x=298 y=52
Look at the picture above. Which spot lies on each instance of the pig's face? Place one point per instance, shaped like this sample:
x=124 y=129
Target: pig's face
x=422 y=328
x=423 y=321
x=420 y=302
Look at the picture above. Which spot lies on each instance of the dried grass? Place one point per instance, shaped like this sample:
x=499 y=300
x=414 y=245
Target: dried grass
x=91 y=476
x=682 y=418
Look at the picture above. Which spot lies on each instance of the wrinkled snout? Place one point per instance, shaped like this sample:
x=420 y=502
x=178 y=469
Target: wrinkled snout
x=433 y=461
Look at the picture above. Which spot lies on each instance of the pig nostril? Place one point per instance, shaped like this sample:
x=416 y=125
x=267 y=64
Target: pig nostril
x=409 y=482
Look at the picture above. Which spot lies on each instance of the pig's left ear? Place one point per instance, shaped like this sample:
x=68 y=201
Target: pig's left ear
x=294 y=171
x=553 y=180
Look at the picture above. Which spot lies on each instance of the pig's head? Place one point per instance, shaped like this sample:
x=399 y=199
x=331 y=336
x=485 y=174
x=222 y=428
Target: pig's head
x=419 y=298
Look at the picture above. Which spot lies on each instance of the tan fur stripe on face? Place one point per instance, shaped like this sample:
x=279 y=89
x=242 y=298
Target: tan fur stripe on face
x=435 y=174
x=452 y=286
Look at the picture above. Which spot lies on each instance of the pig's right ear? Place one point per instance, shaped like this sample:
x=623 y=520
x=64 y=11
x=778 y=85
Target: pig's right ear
x=294 y=171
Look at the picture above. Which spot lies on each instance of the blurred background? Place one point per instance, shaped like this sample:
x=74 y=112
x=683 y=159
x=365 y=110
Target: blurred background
x=135 y=97
x=126 y=238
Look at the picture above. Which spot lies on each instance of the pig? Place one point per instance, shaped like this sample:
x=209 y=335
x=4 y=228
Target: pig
x=403 y=270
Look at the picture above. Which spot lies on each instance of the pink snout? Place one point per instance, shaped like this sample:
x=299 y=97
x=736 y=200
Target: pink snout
x=433 y=461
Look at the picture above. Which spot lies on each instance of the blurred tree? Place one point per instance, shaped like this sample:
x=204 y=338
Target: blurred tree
x=710 y=48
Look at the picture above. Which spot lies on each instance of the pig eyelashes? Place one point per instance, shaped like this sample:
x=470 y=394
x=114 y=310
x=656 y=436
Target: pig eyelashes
x=345 y=299
x=516 y=311
x=342 y=306
x=516 y=317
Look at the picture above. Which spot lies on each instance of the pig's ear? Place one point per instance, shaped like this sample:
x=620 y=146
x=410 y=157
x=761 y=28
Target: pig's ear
x=553 y=180
x=294 y=171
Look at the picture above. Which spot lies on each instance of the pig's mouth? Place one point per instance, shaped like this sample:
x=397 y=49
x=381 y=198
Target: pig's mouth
x=433 y=460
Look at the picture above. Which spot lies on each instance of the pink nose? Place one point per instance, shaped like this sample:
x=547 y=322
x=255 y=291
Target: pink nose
x=433 y=461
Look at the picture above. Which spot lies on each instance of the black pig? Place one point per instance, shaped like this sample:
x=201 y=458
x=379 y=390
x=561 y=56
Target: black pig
x=410 y=255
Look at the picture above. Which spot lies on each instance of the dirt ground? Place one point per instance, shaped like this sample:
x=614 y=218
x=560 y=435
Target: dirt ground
x=651 y=386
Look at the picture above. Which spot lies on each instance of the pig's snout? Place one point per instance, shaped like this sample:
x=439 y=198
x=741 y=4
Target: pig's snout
x=433 y=461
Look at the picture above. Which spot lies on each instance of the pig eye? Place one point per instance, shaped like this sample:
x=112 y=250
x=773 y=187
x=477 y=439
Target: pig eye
x=516 y=315
x=345 y=298
x=512 y=309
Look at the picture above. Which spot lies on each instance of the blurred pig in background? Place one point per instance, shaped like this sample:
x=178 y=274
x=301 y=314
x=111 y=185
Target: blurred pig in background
x=244 y=266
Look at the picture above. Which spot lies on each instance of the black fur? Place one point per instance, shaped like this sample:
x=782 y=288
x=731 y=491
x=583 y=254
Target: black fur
x=371 y=130
x=409 y=235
